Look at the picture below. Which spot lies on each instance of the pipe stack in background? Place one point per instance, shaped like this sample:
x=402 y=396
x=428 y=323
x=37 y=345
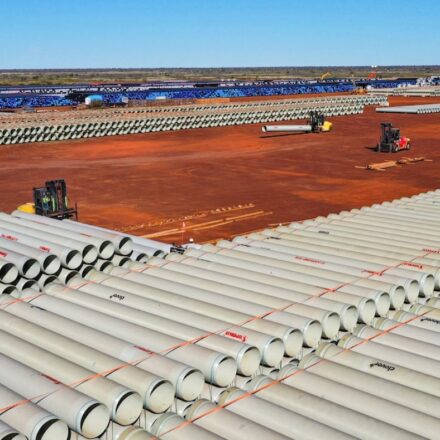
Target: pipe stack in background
x=326 y=328
x=19 y=129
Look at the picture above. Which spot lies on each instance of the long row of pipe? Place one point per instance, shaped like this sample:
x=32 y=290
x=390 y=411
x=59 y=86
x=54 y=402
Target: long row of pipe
x=64 y=130
x=136 y=342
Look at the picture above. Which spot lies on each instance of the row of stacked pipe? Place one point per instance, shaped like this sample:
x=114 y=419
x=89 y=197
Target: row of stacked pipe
x=415 y=109
x=327 y=328
x=409 y=91
x=20 y=129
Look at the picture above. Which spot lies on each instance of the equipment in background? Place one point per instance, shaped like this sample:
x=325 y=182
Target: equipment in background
x=317 y=124
x=51 y=201
x=391 y=141
x=325 y=75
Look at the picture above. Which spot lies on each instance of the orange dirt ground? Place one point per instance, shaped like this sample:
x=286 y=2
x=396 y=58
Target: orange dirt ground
x=218 y=182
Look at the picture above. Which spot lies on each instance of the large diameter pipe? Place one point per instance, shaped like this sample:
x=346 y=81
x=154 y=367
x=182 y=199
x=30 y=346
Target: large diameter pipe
x=324 y=411
x=241 y=273
x=157 y=393
x=27 y=267
x=413 y=320
x=49 y=225
x=122 y=243
x=49 y=263
x=371 y=263
x=397 y=356
x=88 y=252
x=8 y=271
x=391 y=391
x=71 y=258
x=352 y=226
x=285 y=250
x=373 y=220
x=9 y=433
x=389 y=338
x=416 y=229
x=277 y=418
x=286 y=128
x=124 y=404
x=348 y=312
x=272 y=349
x=82 y=414
x=29 y=419
x=217 y=368
x=261 y=304
x=187 y=380
x=329 y=320
x=372 y=242
x=366 y=403
x=379 y=367
x=327 y=279
x=174 y=427
x=8 y=289
x=228 y=309
x=122 y=237
x=227 y=424
x=247 y=357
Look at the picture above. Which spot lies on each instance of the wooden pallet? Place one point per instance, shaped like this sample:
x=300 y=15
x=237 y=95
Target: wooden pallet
x=382 y=166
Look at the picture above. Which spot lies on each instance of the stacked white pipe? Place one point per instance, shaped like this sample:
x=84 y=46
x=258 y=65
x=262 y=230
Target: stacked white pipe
x=362 y=279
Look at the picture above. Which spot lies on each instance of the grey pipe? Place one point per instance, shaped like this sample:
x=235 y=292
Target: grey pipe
x=247 y=357
x=187 y=381
x=71 y=258
x=217 y=368
x=88 y=252
x=84 y=415
x=125 y=405
x=46 y=224
x=29 y=419
x=271 y=348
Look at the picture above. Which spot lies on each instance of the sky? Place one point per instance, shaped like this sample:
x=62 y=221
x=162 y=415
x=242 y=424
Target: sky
x=217 y=33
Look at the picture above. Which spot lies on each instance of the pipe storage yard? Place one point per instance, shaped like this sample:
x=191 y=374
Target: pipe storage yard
x=19 y=129
x=323 y=328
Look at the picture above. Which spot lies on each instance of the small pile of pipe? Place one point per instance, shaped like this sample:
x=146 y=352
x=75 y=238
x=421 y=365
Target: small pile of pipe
x=415 y=109
x=79 y=125
x=327 y=328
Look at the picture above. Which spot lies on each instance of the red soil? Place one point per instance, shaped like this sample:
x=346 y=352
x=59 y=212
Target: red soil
x=227 y=180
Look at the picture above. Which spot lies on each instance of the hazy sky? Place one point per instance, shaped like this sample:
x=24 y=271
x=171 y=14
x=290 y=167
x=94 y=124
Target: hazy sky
x=204 y=33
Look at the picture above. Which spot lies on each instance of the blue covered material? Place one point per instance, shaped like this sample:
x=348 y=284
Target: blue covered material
x=292 y=88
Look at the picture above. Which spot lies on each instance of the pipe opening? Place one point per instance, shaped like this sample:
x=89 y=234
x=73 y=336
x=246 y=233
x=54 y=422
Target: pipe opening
x=397 y=295
x=89 y=254
x=331 y=323
x=293 y=340
x=31 y=268
x=383 y=304
x=190 y=384
x=274 y=352
x=349 y=318
x=53 y=429
x=248 y=360
x=8 y=273
x=51 y=264
x=160 y=396
x=127 y=408
x=7 y=290
x=73 y=259
x=94 y=420
x=125 y=246
x=106 y=250
x=312 y=334
x=224 y=372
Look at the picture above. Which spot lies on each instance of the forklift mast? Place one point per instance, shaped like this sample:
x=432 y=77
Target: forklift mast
x=51 y=201
x=316 y=120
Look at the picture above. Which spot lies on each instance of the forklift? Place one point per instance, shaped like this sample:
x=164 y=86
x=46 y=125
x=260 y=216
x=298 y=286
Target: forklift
x=316 y=124
x=51 y=201
x=391 y=141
